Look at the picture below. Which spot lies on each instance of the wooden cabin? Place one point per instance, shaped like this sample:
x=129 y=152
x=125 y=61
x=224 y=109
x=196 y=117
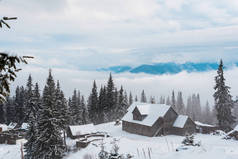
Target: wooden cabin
x=156 y=119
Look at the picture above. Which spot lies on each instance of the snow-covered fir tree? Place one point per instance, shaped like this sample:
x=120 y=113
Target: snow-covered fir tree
x=136 y=99
x=152 y=100
x=173 y=101
x=189 y=109
x=29 y=98
x=93 y=104
x=31 y=135
x=143 y=97
x=85 y=114
x=130 y=99
x=2 y=114
x=180 y=104
x=223 y=100
x=49 y=143
x=122 y=105
x=74 y=109
x=101 y=104
x=110 y=98
x=206 y=115
x=20 y=103
x=10 y=110
x=168 y=102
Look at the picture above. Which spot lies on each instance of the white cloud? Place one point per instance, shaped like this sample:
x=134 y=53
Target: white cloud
x=155 y=85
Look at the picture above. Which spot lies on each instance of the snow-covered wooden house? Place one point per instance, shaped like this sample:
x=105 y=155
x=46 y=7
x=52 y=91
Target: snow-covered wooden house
x=156 y=119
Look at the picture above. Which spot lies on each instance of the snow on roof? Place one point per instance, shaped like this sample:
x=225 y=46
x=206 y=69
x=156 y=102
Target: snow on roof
x=180 y=121
x=143 y=109
x=236 y=128
x=11 y=125
x=202 y=124
x=82 y=129
x=154 y=111
x=4 y=127
x=24 y=126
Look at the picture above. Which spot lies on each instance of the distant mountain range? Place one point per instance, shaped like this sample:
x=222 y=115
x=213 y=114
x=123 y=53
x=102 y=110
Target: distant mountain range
x=166 y=68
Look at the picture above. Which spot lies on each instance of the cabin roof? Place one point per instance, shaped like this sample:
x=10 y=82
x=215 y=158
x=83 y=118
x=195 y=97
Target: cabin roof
x=180 y=121
x=153 y=112
x=82 y=129
x=143 y=109
x=202 y=124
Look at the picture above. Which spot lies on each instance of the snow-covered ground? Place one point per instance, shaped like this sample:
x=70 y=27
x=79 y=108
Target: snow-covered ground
x=140 y=146
x=162 y=147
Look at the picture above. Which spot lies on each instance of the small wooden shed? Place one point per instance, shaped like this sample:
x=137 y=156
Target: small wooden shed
x=77 y=131
x=233 y=133
x=205 y=128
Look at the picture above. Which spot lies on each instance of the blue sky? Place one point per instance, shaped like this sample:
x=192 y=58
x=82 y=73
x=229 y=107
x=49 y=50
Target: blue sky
x=84 y=35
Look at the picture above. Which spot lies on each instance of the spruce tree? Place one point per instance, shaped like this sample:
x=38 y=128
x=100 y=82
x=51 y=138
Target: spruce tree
x=31 y=135
x=49 y=143
x=29 y=98
x=168 y=102
x=173 y=101
x=223 y=100
x=152 y=100
x=2 y=114
x=20 y=103
x=93 y=104
x=10 y=110
x=143 y=97
x=85 y=114
x=207 y=114
x=189 y=109
x=136 y=99
x=110 y=98
x=130 y=99
x=179 y=104
x=74 y=108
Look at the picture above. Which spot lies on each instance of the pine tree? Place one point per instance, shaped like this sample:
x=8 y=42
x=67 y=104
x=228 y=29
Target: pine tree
x=85 y=114
x=93 y=104
x=189 y=109
x=10 y=110
x=122 y=108
x=136 y=99
x=110 y=104
x=198 y=108
x=130 y=99
x=74 y=108
x=207 y=114
x=61 y=109
x=29 y=96
x=152 y=100
x=223 y=100
x=143 y=97
x=168 y=102
x=179 y=104
x=173 y=101
x=49 y=143
x=31 y=135
x=2 y=114
x=19 y=103
x=101 y=104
